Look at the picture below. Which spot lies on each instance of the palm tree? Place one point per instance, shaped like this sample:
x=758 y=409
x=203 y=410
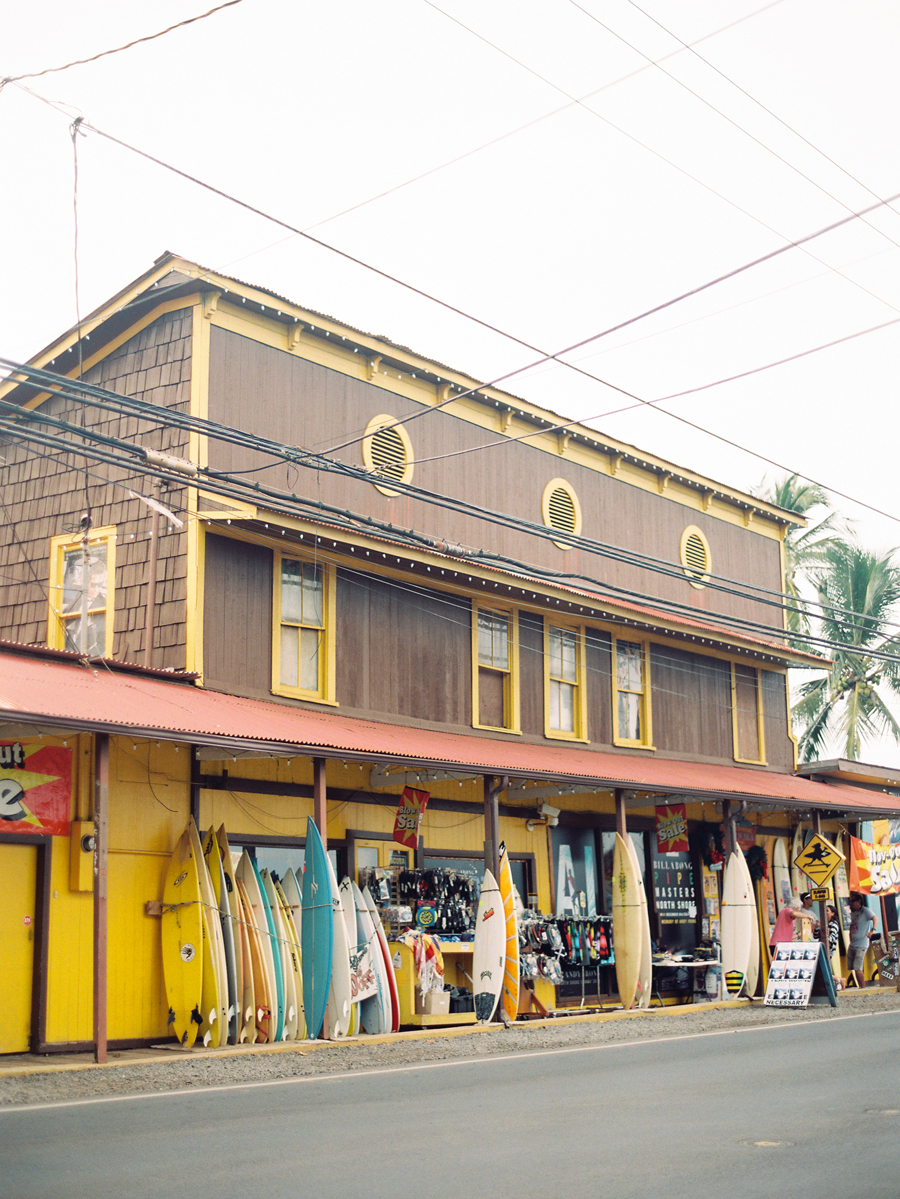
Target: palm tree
x=804 y=548
x=858 y=591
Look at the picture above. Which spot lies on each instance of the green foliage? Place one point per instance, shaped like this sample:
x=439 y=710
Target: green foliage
x=858 y=591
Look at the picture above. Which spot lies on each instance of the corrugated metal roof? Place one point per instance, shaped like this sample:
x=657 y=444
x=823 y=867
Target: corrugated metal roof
x=52 y=695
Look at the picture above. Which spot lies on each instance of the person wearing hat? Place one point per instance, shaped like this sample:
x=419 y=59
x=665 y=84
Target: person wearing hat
x=862 y=929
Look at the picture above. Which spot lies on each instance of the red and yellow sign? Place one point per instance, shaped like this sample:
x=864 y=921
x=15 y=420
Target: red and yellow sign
x=409 y=814
x=35 y=788
x=671 y=828
x=874 y=869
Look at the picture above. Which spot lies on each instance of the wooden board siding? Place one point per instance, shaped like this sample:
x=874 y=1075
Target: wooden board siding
x=776 y=715
x=691 y=697
x=531 y=673
x=45 y=495
x=237 y=617
x=298 y=402
x=598 y=682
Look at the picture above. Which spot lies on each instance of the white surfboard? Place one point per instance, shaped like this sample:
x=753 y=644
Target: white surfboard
x=337 y=1011
x=781 y=874
x=375 y=1011
x=752 y=979
x=738 y=913
x=283 y=948
x=489 y=951
x=386 y=955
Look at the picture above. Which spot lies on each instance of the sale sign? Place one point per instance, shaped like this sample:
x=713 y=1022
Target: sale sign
x=874 y=869
x=671 y=828
x=35 y=788
x=409 y=814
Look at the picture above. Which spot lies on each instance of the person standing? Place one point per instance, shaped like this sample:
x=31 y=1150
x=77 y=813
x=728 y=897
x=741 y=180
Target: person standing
x=862 y=929
x=786 y=922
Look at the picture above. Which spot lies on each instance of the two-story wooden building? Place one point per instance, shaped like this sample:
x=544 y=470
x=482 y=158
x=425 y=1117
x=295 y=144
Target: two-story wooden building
x=258 y=565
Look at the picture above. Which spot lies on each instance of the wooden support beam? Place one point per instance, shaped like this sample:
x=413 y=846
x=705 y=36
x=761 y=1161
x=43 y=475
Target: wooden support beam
x=491 y=826
x=320 y=799
x=101 y=877
x=621 y=823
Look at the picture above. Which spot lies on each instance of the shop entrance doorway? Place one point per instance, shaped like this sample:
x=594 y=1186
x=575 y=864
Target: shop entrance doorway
x=18 y=869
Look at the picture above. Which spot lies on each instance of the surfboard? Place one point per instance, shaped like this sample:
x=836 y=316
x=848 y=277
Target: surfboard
x=214 y=1010
x=269 y=924
x=338 y=1014
x=248 y=877
x=489 y=950
x=751 y=982
x=220 y=891
x=768 y=910
x=182 y=943
x=645 y=968
x=386 y=954
x=511 y=964
x=243 y=1011
x=627 y=919
x=316 y=931
x=842 y=894
x=282 y=948
x=781 y=874
x=259 y=1026
x=356 y=951
x=375 y=1012
x=736 y=923
x=798 y=884
x=293 y=942
x=765 y=953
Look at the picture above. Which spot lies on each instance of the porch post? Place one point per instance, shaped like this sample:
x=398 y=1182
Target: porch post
x=320 y=799
x=823 y=915
x=491 y=826
x=729 y=841
x=101 y=876
x=621 y=825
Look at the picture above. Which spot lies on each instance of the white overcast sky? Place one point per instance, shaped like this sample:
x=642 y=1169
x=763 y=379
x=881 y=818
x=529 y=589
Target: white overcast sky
x=437 y=125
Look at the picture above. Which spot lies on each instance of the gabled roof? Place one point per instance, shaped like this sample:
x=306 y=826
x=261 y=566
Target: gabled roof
x=172 y=277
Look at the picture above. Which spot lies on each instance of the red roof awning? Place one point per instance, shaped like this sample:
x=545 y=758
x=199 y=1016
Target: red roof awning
x=51 y=695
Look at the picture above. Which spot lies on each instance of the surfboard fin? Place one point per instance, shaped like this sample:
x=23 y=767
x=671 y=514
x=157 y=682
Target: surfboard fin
x=170 y=1019
x=196 y=1017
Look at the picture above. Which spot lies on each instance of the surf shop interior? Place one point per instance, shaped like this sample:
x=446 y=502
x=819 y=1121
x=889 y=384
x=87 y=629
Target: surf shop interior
x=93 y=809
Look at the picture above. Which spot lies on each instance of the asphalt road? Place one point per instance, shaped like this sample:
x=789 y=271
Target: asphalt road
x=799 y=1111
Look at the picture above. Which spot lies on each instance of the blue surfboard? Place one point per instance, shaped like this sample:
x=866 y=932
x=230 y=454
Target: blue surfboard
x=317 y=930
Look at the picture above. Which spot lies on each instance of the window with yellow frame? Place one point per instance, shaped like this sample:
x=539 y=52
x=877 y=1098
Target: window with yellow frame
x=82 y=585
x=747 y=714
x=303 y=627
x=631 y=692
x=495 y=669
x=564 y=715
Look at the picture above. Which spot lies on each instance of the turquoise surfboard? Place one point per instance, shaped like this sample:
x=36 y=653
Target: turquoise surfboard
x=316 y=931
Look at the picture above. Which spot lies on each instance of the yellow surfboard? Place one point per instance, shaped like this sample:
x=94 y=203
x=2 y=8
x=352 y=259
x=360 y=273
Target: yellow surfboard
x=182 y=942
x=214 y=1010
x=628 y=923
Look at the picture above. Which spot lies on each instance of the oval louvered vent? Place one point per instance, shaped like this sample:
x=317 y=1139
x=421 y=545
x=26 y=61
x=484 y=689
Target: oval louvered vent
x=695 y=555
x=388 y=454
x=561 y=511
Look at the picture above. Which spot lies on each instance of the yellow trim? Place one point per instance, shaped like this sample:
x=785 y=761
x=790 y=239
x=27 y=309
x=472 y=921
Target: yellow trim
x=327 y=683
x=56 y=626
x=560 y=485
x=580 y=731
x=382 y=422
x=760 y=717
x=692 y=576
x=645 y=742
x=511 y=702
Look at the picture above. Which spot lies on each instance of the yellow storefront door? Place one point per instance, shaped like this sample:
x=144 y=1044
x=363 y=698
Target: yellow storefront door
x=18 y=870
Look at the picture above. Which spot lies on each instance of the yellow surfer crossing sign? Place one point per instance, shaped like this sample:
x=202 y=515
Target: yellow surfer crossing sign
x=818 y=859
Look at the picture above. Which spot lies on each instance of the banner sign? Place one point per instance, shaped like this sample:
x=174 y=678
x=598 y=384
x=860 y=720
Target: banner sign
x=35 y=788
x=409 y=814
x=874 y=869
x=671 y=828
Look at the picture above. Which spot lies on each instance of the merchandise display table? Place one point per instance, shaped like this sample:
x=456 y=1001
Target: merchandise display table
x=457 y=973
x=674 y=963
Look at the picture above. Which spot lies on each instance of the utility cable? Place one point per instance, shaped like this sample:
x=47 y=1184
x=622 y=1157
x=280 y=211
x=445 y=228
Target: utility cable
x=80 y=62
x=359 y=523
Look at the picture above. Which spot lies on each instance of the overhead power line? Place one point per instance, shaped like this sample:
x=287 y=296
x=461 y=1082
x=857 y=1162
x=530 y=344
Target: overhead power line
x=150 y=37
x=106 y=400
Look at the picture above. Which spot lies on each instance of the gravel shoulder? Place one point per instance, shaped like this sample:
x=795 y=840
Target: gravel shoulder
x=27 y=1079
